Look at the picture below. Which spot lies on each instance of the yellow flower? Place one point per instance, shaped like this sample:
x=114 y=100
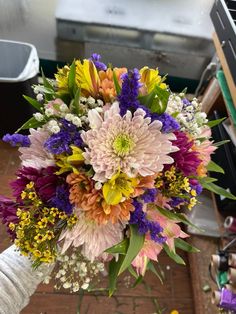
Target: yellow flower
x=151 y=78
x=50 y=235
x=70 y=163
x=62 y=79
x=174 y=312
x=32 y=196
x=23 y=195
x=11 y=226
x=54 y=211
x=43 y=223
x=37 y=253
x=119 y=186
x=87 y=78
x=30 y=185
x=62 y=215
x=40 y=238
x=72 y=220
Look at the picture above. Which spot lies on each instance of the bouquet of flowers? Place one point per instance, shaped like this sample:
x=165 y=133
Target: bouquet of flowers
x=111 y=159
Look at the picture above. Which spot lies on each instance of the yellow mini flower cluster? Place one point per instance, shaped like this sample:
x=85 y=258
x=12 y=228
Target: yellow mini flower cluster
x=176 y=185
x=39 y=227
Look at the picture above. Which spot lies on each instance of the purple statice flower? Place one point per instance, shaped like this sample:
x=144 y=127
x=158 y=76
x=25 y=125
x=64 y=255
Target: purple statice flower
x=8 y=209
x=169 y=124
x=129 y=91
x=61 y=199
x=95 y=57
x=60 y=142
x=139 y=218
x=45 y=182
x=175 y=201
x=149 y=196
x=185 y=159
x=196 y=186
x=17 y=140
x=186 y=102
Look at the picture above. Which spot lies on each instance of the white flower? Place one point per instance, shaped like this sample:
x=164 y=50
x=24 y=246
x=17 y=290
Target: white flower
x=53 y=126
x=100 y=102
x=49 y=112
x=98 y=185
x=47 y=280
x=63 y=108
x=91 y=100
x=76 y=121
x=75 y=287
x=38 y=116
x=85 y=286
x=67 y=285
x=39 y=97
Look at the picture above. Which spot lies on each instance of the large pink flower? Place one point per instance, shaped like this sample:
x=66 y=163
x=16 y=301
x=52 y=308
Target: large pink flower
x=94 y=239
x=36 y=155
x=132 y=144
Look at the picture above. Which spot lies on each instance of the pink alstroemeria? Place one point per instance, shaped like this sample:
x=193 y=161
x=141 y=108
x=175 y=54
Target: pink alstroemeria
x=149 y=251
x=171 y=229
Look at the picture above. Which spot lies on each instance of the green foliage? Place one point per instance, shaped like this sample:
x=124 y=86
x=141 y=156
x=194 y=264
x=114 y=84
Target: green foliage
x=213 y=123
x=116 y=83
x=71 y=80
x=185 y=246
x=173 y=255
x=31 y=123
x=218 y=190
x=156 y=101
x=212 y=166
x=34 y=103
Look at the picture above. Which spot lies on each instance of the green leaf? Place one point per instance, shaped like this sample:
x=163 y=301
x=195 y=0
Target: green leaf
x=47 y=88
x=75 y=102
x=212 y=166
x=46 y=82
x=138 y=281
x=136 y=242
x=132 y=272
x=34 y=103
x=113 y=273
x=152 y=268
x=31 y=123
x=206 y=180
x=215 y=122
x=177 y=217
x=116 y=83
x=221 y=143
x=218 y=190
x=71 y=80
x=178 y=259
x=120 y=248
x=156 y=101
x=160 y=100
x=185 y=246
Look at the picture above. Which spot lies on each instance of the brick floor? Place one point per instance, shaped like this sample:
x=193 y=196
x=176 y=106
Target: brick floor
x=147 y=298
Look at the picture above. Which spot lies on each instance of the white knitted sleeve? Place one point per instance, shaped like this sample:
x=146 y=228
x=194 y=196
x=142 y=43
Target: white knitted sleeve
x=18 y=280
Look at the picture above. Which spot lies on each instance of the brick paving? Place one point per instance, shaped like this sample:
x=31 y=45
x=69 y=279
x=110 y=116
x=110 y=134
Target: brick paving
x=150 y=297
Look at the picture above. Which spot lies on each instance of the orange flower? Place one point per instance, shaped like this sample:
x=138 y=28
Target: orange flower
x=83 y=195
x=97 y=209
x=144 y=182
x=107 y=87
x=201 y=170
x=80 y=185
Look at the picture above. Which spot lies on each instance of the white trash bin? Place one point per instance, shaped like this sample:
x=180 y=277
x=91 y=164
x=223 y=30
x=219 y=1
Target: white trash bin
x=19 y=67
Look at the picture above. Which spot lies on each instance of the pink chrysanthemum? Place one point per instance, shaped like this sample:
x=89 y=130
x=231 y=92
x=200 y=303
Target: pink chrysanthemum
x=36 y=155
x=94 y=239
x=131 y=144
